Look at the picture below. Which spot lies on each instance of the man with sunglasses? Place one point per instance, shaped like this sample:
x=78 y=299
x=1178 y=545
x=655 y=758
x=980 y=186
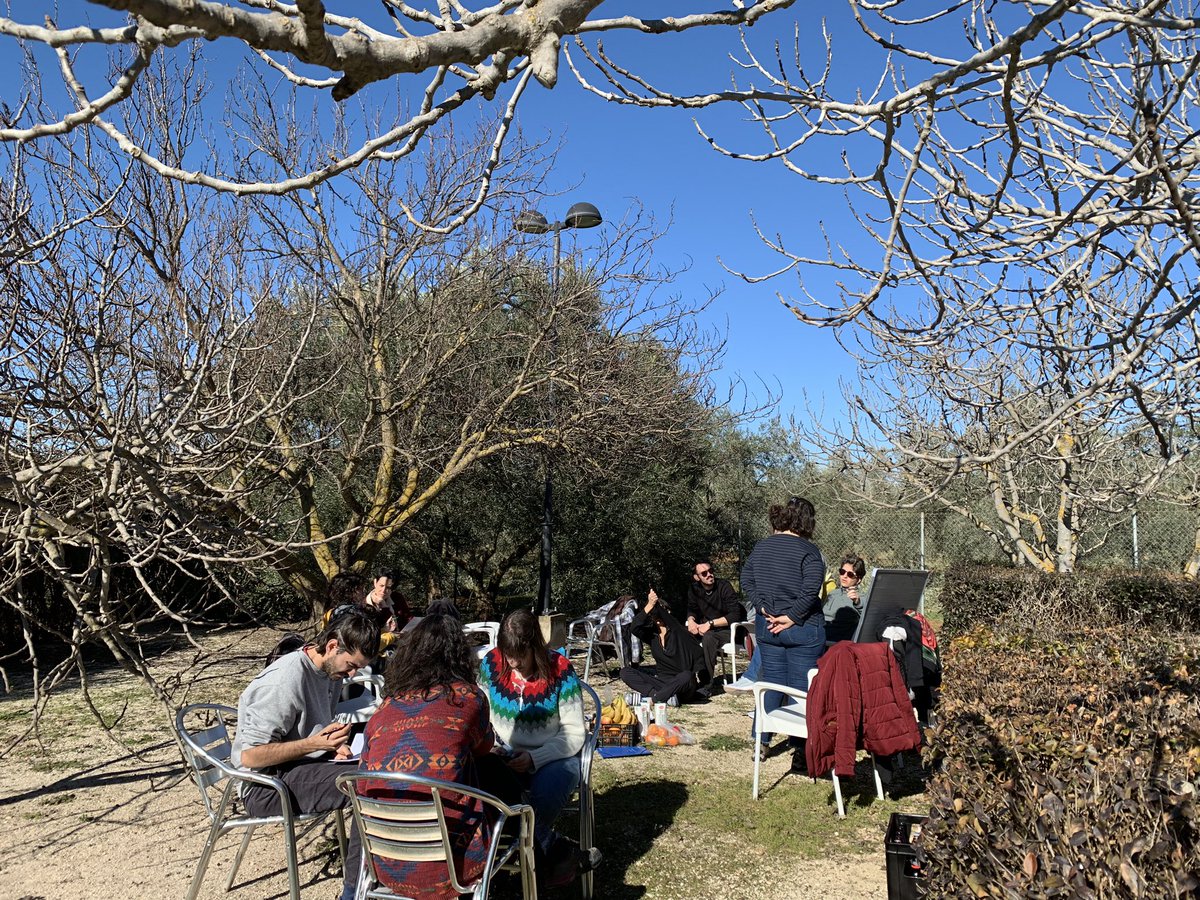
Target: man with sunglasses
x=712 y=608
x=843 y=606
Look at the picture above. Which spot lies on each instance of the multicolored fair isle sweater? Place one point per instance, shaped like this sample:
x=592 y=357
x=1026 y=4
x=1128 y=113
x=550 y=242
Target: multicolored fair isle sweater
x=544 y=717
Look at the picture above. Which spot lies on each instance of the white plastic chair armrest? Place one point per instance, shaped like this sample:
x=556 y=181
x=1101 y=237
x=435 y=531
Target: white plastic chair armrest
x=760 y=688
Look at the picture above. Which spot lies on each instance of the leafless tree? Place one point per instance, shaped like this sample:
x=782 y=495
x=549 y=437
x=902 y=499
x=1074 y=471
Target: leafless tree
x=455 y=348
x=1044 y=501
x=1002 y=157
x=128 y=451
x=445 y=54
x=193 y=384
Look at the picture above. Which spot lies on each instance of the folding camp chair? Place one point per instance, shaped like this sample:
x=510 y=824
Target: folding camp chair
x=206 y=752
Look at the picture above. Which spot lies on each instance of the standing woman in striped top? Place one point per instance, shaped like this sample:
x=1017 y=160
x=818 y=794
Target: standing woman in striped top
x=783 y=578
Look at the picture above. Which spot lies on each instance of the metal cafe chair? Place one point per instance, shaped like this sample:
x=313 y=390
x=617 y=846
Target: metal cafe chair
x=206 y=751
x=414 y=829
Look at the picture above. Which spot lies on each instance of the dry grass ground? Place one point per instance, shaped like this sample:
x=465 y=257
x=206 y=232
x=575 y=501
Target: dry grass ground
x=83 y=816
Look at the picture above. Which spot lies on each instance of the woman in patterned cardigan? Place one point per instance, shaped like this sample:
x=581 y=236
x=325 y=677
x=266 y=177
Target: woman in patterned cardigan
x=434 y=723
x=537 y=713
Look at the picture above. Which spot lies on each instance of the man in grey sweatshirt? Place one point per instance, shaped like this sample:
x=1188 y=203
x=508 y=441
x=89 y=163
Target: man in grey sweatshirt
x=286 y=724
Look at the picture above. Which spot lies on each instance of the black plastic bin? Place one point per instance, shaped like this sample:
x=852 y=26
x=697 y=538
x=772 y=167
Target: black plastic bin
x=903 y=870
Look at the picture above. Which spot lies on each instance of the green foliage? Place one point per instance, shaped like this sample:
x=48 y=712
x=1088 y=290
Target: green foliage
x=263 y=597
x=1066 y=766
x=1049 y=602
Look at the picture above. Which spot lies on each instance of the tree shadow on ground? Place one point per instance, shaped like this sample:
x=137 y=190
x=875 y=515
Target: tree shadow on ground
x=104 y=774
x=629 y=818
x=908 y=778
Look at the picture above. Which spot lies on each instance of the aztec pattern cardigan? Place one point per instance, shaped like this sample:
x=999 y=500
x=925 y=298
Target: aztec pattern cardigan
x=544 y=716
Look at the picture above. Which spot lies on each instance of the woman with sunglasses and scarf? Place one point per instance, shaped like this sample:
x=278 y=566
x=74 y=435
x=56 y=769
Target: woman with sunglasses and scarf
x=843 y=606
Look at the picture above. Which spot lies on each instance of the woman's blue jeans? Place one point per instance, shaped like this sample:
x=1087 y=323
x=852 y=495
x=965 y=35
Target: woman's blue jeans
x=787 y=657
x=549 y=789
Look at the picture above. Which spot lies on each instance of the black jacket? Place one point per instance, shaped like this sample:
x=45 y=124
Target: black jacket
x=679 y=654
x=722 y=600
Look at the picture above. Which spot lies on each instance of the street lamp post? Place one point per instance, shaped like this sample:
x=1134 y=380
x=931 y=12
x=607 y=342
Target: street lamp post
x=581 y=215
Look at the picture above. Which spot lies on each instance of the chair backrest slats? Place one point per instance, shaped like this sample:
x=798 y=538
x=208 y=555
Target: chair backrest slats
x=415 y=830
x=406 y=851
x=408 y=833
x=399 y=810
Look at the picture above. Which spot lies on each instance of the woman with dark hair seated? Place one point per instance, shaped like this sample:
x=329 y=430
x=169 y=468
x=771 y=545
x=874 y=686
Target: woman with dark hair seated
x=843 y=606
x=434 y=723
x=537 y=711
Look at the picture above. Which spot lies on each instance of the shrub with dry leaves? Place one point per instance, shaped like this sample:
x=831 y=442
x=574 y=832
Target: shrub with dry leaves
x=1066 y=767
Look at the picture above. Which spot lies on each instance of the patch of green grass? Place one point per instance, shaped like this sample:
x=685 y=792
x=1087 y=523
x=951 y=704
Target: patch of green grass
x=725 y=742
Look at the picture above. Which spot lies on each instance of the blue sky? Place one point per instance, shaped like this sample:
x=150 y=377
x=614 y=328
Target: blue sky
x=620 y=154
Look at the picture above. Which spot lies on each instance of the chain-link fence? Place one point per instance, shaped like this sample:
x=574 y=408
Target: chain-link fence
x=1157 y=536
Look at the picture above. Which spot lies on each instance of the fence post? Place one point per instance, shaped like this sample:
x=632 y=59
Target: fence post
x=1133 y=522
x=922 y=551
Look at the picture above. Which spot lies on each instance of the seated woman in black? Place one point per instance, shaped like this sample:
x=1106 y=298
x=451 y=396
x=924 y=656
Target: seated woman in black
x=677 y=657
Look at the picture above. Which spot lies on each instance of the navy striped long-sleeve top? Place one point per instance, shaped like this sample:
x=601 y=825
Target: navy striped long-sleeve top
x=783 y=576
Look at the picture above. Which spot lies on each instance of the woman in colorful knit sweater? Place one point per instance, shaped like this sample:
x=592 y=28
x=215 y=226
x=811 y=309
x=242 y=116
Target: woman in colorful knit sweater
x=433 y=723
x=537 y=710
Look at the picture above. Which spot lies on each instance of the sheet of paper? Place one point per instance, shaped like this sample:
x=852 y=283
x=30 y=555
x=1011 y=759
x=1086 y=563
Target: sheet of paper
x=356 y=748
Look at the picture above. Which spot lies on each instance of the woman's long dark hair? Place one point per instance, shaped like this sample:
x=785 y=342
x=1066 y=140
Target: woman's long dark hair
x=432 y=659
x=520 y=633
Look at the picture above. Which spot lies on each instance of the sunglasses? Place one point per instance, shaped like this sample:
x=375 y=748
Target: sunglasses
x=849 y=573
x=705 y=573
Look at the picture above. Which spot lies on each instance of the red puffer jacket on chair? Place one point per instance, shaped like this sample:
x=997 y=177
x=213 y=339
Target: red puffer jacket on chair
x=858 y=699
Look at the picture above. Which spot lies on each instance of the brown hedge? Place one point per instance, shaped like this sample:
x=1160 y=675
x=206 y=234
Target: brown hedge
x=1049 y=602
x=1066 y=767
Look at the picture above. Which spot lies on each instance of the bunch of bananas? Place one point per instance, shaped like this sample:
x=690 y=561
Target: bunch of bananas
x=617 y=712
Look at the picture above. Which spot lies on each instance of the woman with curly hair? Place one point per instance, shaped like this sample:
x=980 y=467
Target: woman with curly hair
x=434 y=723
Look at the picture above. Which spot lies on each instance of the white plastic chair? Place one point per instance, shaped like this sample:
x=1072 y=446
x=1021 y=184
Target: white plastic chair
x=490 y=630
x=415 y=830
x=206 y=752
x=361 y=707
x=791 y=719
x=729 y=651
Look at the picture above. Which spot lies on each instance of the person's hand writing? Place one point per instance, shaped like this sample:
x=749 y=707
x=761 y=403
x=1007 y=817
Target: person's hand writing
x=330 y=738
x=522 y=762
x=776 y=624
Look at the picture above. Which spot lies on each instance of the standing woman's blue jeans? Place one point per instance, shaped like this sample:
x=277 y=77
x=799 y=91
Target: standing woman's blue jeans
x=787 y=656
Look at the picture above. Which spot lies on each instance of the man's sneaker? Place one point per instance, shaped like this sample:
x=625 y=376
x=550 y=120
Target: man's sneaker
x=742 y=684
x=672 y=700
x=799 y=761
